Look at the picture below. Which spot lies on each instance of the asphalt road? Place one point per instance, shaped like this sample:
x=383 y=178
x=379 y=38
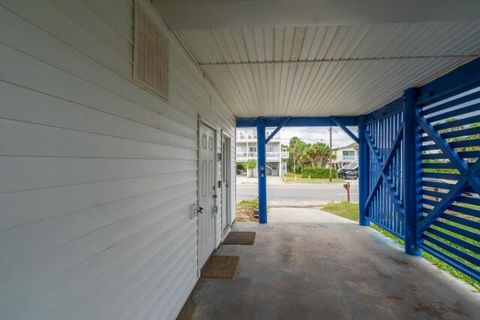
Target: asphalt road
x=296 y=194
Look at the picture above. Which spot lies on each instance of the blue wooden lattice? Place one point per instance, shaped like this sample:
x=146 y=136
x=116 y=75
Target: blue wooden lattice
x=384 y=204
x=449 y=226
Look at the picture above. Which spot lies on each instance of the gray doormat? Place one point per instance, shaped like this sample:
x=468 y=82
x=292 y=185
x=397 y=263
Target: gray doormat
x=240 y=237
x=221 y=267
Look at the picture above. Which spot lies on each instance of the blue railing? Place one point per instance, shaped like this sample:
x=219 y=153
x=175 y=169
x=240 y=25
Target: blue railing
x=384 y=205
x=422 y=164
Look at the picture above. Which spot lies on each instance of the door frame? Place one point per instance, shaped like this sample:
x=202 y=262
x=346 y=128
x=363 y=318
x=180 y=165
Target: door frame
x=202 y=121
x=227 y=206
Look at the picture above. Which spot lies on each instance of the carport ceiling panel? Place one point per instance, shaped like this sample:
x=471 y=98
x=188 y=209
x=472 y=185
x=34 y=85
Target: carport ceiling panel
x=250 y=45
x=321 y=89
x=327 y=70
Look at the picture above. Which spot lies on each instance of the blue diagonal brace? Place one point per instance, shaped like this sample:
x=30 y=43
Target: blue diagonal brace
x=450 y=197
x=460 y=164
x=345 y=129
x=396 y=202
x=388 y=160
x=469 y=174
x=274 y=132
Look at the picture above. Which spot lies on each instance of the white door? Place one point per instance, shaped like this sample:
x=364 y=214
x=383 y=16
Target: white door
x=206 y=194
x=226 y=173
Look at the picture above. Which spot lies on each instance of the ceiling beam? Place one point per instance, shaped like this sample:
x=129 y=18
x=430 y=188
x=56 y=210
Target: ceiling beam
x=297 y=121
x=472 y=56
x=214 y=14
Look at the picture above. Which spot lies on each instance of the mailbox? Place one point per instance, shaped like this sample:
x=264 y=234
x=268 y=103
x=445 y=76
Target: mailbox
x=346 y=185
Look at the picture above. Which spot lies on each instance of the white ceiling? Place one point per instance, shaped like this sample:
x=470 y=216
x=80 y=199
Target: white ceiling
x=320 y=69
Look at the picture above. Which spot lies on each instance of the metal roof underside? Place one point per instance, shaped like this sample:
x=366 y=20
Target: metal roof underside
x=324 y=70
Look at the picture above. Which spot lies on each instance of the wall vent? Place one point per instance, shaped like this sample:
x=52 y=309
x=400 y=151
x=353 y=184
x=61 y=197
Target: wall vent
x=150 y=66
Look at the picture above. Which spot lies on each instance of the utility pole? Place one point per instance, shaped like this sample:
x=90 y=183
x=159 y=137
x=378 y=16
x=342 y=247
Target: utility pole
x=331 y=164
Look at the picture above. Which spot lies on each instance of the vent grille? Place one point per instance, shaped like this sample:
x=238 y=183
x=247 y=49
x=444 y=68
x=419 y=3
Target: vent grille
x=150 y=53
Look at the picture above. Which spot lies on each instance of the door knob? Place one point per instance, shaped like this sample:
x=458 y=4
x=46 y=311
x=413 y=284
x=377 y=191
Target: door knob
x=200 y=210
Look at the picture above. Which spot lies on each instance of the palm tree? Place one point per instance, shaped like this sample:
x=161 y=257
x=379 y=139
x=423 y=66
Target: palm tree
x=302 y=153
x=296 y=149
x=318 y=154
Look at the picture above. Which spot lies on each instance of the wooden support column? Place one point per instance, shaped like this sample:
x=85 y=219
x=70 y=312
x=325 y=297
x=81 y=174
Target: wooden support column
x=411 y=185
x=363 y=173
x=262 y=171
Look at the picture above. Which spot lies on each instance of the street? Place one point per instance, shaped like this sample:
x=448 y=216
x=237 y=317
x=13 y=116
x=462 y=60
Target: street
x=295 y=194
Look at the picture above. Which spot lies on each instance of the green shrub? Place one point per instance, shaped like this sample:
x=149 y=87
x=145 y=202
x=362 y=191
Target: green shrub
x=251 y=164
x=318 y=173
x=241 y=166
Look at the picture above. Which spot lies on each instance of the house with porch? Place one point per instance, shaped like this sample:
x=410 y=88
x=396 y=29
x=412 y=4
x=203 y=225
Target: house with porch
x=246 y=145
x=344 y=155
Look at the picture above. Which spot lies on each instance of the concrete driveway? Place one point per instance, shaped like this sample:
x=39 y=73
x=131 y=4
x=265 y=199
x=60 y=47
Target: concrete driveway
x=295 y=194
x=310 y=265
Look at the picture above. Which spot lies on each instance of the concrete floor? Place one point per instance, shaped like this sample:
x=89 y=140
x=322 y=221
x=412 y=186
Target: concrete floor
x=307 y=264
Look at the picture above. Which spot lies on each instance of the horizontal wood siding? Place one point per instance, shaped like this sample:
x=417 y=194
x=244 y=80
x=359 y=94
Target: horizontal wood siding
x=98 y=175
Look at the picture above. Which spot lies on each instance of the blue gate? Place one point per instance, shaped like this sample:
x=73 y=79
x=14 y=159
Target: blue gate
x=422 y=164
x=384 y=138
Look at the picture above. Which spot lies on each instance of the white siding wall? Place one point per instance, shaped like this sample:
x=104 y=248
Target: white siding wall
x=97 y=175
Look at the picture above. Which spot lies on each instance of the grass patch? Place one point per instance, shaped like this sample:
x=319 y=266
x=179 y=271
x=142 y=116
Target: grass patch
x=247 y=210
x=292 y=177
x=343 y=209
x=350 y=211
x=249 y=204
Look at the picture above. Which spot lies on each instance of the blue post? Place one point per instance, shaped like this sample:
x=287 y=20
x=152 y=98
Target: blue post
x=262 y=174
x=411 y=185
x=362 y=172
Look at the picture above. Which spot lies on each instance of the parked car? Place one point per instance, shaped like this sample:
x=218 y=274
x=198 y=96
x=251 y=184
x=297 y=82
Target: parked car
x=241 y=171
x=349 y=171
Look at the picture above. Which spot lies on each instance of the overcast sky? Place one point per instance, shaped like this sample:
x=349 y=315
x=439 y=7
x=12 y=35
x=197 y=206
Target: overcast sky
x=316 y=134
